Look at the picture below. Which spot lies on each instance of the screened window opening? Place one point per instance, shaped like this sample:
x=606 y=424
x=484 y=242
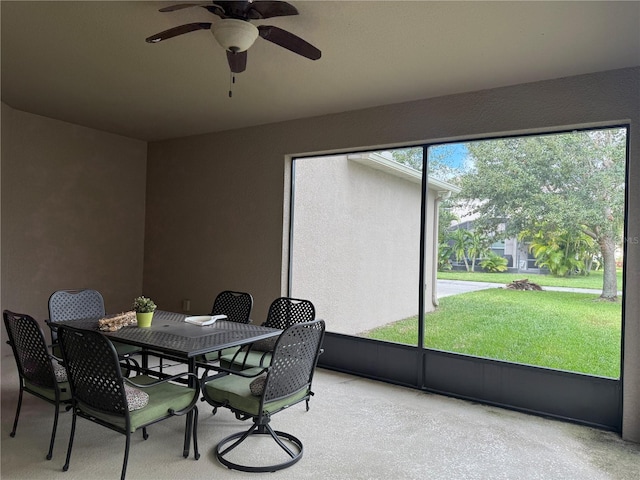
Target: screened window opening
x=515 y=248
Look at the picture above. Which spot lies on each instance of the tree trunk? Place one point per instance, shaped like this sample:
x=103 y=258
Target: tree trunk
x=609 y=278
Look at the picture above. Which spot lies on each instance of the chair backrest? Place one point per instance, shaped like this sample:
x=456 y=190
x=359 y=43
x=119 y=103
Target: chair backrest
x=93 y=369
x=235 y=305
x=29 y=349
x=74 y=304
x=287 y=311
x=294 y=360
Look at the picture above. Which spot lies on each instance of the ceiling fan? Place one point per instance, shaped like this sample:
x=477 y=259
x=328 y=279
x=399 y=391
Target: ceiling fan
x=236 y=34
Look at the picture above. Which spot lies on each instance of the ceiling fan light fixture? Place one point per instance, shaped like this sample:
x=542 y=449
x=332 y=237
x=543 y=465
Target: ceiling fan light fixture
x=234 y=35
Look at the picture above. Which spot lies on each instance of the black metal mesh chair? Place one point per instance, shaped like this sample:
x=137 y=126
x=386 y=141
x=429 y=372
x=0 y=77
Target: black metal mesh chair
x=85 y=303
x=237 y=307
x=287 y=311
x=283 y=312
x=39 y=372
x=102 y=395
x=262 y=392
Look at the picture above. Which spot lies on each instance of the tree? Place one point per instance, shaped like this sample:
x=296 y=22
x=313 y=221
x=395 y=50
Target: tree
x=440 y=159
x=460 y=239
x=411 y=157
x=477 y=247
x=444 y=257
x=571 y=182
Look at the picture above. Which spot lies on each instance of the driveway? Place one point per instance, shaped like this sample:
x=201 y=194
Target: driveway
x=456 y=287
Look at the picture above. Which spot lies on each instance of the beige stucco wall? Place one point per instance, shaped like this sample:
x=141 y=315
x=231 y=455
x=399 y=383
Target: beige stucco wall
x=356 y=239
x=210 y=221
x=218 y=203
x=73 y=202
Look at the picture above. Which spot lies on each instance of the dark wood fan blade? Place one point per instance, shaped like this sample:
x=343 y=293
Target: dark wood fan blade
x=175 y=31
x=271 y=9
x=241 y=9
x=237 y=61
x=289 y=41
x=257 y=10
x=180 y=6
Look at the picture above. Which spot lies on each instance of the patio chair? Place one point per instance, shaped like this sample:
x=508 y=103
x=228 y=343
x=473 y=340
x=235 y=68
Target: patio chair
x=237 y=307
x=260 y=393
x=85 y=303
x=102 y=395
x=283 y=312
x=39 y=373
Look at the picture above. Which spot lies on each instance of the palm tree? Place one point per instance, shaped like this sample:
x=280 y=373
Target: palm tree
x=477 y=248
x=460 y=239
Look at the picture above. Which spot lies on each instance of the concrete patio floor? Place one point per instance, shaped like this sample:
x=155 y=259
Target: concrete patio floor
x=356 y=429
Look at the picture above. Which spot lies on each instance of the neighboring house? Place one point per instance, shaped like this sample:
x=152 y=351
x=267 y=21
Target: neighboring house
x=356 y=238
x=519 y=258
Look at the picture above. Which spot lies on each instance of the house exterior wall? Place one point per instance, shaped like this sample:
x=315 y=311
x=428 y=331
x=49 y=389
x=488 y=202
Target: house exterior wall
x=356 y=243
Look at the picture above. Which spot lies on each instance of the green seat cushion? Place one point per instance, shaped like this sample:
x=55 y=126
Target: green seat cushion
x=249 y=360
x=162 y=397
x=49 y=393
x=235 y=391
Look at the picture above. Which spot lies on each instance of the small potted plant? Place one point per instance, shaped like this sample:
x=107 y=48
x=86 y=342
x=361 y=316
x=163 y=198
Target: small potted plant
x=144 y=308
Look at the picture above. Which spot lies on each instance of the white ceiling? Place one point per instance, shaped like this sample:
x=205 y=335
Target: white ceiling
x=87 y=62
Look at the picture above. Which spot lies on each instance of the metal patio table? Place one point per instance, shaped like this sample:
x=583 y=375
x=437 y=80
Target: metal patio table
x=169 y=335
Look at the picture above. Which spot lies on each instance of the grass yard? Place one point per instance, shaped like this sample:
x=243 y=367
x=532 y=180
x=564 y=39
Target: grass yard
x=593 y=280
x=566 y=331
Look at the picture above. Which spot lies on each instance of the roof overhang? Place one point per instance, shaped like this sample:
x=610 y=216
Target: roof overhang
x=383 y=161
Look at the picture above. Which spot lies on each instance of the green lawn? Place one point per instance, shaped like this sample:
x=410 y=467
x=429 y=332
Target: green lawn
x=593 y=280
x=566 y=331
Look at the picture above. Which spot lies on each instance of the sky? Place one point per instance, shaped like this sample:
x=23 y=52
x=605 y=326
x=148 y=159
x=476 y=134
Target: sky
x=451 y=154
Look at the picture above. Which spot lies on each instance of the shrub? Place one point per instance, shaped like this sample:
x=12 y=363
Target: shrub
x=494 y=263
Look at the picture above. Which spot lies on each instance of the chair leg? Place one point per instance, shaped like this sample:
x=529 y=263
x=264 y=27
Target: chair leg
x=136 y=365
x=191 y=431
x=135 y=362
x=126 y=456
x=132 y=366
x=196 y=453
x=73 y=431
x=259 y=430
x=15 y=421
x=241 y=438
x=53 y=432
x=278 y=441
x=145 y=434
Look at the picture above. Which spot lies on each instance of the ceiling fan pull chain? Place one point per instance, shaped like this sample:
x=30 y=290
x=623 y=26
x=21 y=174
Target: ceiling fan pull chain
x=232 y=81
